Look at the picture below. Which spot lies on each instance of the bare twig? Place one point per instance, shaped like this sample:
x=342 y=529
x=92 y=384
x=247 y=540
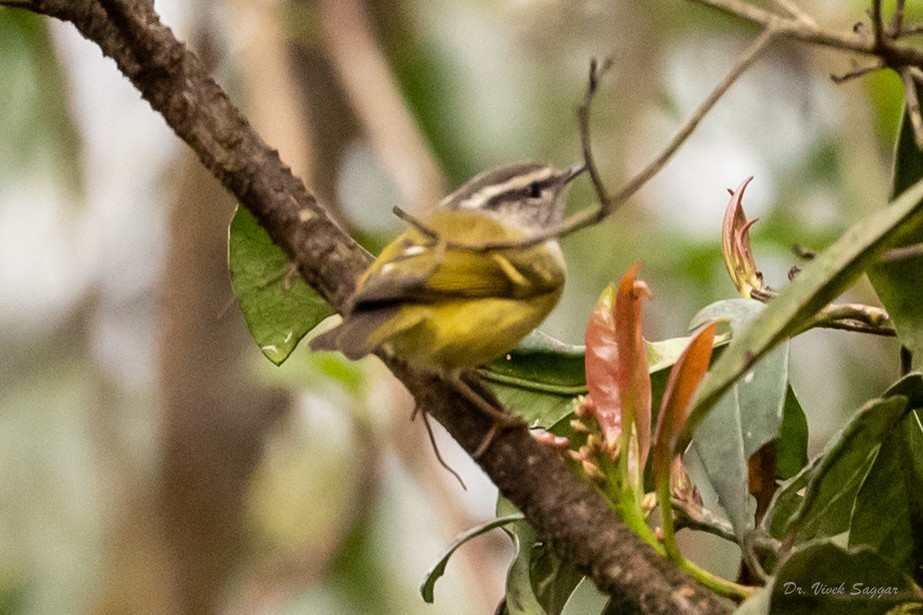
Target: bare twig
x=856 y=317
x=609 y=202
x=895 y=55
x=897 y=19
x=749 y=57
x=606 y=204
x=912 y=30
x=795 y=11
x=878 y=28
x=692 y=516
x=902 y=253
x=415 y=222
x=913 y=105
x=858 y=72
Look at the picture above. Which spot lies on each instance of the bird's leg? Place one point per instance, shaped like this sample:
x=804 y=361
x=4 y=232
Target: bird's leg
x=502 y=419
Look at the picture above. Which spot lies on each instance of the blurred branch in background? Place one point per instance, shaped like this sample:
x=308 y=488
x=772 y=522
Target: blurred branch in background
x=373 y=93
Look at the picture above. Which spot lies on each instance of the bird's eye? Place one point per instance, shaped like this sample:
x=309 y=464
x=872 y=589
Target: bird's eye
x=535 y=190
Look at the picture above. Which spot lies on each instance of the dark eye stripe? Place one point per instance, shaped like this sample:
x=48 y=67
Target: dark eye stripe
x=507 y=181
x=517 y=194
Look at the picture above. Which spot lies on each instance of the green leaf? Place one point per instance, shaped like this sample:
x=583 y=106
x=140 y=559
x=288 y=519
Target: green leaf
x=520 y=598
x=832 y=481
x=821 y=281
x=792 y=445
x=822 y=579
x=539 y=582
x=585 y=600
x=899 y=284
x=889 y=511
x=278 y=306
x=553 y=579
x=438 y=569
x=743 y=420
x=539 y=379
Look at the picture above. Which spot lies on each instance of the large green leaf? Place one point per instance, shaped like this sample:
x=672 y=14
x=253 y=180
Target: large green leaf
x=822 y=578
x=539 y=379
x=821 y=281
x=832 y=481
x=889 y=510
x=747 y=417
x=899 y=283
x=278 y=306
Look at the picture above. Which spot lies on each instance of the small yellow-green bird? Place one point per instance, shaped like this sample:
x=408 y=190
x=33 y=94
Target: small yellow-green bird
x=444 y=307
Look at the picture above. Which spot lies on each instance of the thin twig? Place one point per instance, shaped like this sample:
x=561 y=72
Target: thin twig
x=813 y=34
x=794 y=11
x=606 y=204
x=913 y=105
x=692 y=516
x=897 y=20
x=903 y=253
x=878 y=28
x=912 y=30
x=749 y=57
x=415 y=222
x=609 y=202
x=855 y=317
x=858 y=72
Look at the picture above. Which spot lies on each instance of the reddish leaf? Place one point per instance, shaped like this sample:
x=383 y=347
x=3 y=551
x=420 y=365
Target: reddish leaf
x=601 y=365
x=633 y=377
x=682 y=383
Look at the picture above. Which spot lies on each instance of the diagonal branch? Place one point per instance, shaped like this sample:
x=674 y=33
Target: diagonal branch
x=560 y=506
x=807 y=31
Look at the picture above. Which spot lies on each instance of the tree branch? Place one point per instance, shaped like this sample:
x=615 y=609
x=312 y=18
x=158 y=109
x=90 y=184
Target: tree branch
x=560 y=506
x=797 y=28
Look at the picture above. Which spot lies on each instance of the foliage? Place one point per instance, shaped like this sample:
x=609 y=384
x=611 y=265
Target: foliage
x=596 y=402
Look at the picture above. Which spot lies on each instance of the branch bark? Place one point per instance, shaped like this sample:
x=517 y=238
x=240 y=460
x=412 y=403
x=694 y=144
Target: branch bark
x=560 y=506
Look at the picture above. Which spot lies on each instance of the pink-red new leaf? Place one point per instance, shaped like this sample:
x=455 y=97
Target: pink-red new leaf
x=601 y=365
x=634 y=378
x=682 y=383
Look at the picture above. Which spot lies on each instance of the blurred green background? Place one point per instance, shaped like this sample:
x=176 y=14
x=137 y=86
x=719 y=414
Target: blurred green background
x=151 y=461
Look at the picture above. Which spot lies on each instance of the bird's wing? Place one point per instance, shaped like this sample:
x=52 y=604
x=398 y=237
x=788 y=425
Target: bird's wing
x=417 y=269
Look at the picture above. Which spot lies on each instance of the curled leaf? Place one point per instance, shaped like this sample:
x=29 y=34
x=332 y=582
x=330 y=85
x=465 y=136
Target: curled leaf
x=735 y=244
